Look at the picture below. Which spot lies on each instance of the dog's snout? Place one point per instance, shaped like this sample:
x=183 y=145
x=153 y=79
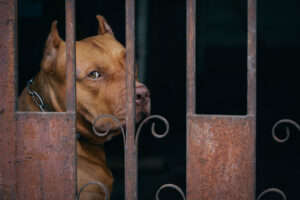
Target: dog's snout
x=142 y=95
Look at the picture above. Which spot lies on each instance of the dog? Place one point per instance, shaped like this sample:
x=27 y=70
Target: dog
x=100 y=89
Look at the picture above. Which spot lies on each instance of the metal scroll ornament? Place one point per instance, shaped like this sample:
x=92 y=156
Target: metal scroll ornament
x=272 y=190
x=154 y=133
x=93 y=183
x=108 y=126
x=169 y=186
x=277 y=139
x=284 y=121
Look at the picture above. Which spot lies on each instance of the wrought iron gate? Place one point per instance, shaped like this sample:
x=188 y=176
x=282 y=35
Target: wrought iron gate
x=220 y=164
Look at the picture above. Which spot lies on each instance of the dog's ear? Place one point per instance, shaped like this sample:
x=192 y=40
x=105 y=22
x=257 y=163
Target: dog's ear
x=50 y=52
x=103 y=26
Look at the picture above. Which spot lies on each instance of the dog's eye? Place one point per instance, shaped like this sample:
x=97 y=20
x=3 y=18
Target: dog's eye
x=94 y=75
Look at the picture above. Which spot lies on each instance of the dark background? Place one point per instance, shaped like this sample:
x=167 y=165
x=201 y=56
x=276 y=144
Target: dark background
x=221 y=77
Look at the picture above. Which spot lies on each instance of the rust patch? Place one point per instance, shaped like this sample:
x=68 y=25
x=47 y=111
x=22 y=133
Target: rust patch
x=220 y=157
x=45 y=155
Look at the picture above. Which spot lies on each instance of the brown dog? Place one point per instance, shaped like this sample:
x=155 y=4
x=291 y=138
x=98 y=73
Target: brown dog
x=100 y=89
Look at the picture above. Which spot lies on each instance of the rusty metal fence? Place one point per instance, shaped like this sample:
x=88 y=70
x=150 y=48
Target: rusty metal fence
x=220 y=164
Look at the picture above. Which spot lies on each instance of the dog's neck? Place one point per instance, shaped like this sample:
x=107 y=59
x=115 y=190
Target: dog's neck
x=42 y=87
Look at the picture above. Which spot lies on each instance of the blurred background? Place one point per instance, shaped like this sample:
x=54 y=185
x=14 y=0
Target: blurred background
x=221 y=78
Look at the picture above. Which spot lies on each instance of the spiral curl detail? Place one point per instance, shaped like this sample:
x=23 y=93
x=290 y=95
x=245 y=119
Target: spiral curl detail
x=154 y=133
x=108 y=126
x=276 y=138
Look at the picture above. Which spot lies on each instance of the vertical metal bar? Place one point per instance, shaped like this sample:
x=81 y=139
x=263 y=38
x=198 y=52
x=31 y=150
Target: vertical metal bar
x=70 y=56
x=251 y=64
x=8 y=93
x=190 y=55
x=251 y=93
x=190 y=74
x=130 y=149
x=71 y=72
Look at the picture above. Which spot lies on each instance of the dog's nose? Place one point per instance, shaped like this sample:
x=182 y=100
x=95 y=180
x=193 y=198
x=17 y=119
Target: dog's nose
x=142 y=95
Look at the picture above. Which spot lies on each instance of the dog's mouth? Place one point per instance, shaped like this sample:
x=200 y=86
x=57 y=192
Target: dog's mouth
x=142 y=112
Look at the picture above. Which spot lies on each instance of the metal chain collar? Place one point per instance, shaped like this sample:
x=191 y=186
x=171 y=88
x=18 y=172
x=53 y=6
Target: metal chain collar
x=35 y=96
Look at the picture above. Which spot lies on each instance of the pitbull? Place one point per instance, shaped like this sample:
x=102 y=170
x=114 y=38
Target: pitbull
x=100 y=89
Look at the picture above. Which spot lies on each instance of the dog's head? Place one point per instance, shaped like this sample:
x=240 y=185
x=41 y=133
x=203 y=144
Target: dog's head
x=100 y=81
